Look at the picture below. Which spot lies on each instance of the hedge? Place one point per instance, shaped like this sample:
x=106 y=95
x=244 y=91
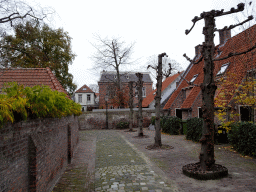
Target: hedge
x=171 y=125
x=194 y=129
x=243 y=138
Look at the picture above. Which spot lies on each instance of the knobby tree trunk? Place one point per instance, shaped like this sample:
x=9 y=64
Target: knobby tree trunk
x=131 y=104
x=139 y=85
x=158 y=142
x=208 y=91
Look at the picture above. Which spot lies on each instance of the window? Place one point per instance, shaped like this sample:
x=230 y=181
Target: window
x=84 y=89
x=127 y=76
x=80 y=98
x=178 y=113
x=115 y=76
x=245 y=113
x=89 y=98
x=223 y=69
x=193 y=79
x=111 y=107
x=143 y=91
x=200 y=112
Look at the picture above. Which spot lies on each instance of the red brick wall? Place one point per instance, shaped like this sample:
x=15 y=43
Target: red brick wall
x=35 y=146
x=103 y=90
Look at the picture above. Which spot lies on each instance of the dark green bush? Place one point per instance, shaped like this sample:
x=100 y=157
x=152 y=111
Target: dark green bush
x=171 y=125
x=122 y=125
x=194 y=129
x=153 y=120
x=243 y=138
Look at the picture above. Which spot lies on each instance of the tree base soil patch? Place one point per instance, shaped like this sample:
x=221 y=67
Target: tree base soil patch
x=194 y=170
x=130 y=131
x=140 y=137
x=150 y=147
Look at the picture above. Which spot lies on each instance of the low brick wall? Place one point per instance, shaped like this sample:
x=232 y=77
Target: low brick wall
x=35 y=153
x=97 y=118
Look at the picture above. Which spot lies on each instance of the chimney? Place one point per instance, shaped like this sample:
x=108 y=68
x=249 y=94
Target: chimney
x=198 y=49
x=224 y=36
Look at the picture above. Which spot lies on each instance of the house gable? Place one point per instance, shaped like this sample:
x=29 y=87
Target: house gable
x=238 y=65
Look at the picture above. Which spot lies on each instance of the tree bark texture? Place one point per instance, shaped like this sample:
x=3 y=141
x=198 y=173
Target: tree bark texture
x=131 y=104
x=139 y=85
x=159 y=78
x=208 y=91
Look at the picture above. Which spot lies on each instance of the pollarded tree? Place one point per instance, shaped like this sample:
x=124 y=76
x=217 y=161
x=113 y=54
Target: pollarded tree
x=169 y=66
x=35 y=46
x=140 y=85
x=206 y=168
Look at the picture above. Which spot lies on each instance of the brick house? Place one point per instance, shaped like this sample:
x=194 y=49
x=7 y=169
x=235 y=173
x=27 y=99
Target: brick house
x=30 y=77
x=186 y=100
x=86 y=98
x=107 y=84
x=168 y=86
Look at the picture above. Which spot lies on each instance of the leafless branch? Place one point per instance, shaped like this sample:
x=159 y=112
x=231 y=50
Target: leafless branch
x=215 y=13
x=235 y=54
x=233 y=26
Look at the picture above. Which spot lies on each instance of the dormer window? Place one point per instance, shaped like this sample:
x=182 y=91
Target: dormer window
x=115 y=76
x=84 y=89
x=223 y=69
x=193 y=79
x=127 y=76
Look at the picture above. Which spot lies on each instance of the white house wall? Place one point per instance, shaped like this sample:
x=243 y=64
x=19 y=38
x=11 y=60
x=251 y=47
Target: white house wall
x=84 y=99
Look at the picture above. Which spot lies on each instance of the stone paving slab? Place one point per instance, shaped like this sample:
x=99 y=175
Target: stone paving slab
x=121 y=168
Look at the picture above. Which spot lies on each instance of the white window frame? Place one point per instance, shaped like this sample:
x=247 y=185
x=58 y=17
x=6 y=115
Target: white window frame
x=80 y=98
x=223 y=69
x=193 y=78
x=88 y=100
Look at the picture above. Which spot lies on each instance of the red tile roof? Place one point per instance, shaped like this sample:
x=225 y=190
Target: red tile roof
x=238 y=65
x=30 y=77
x=146 y=101
x=84 y=89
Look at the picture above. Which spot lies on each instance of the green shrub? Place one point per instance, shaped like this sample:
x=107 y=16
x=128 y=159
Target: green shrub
x=243 y=138
x=194 y=129
x=171 y=125
x=153 y=120
x=184 y=126
x=18 y=103
x=122 y=125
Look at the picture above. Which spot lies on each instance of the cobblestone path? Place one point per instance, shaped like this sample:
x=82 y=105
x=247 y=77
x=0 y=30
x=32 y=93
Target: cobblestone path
x=119 y=167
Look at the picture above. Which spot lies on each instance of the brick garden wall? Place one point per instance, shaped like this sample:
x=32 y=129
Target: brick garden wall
x=35 y=153
x=97 y=119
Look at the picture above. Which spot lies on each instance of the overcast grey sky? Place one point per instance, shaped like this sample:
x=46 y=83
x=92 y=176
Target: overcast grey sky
x=155 y=26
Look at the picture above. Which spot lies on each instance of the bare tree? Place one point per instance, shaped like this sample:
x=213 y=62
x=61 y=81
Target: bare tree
x=12 y=12
x=94 y=88
x=159 y=71
x=249 y=10
x=131 y=96
x=206 y=167
x=140 y=85
x=111 y=54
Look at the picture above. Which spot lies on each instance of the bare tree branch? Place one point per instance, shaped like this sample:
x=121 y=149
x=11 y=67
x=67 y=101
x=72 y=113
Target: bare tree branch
x=235 y=54
x=233 y=26
x=215 y=13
